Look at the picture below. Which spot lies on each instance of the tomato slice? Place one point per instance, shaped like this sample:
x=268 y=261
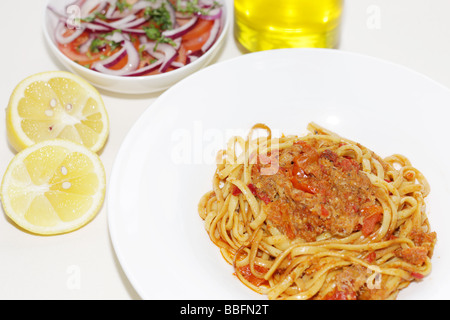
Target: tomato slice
x=201 y=27
x=122 y=63
x=196 y=44
x=71 y=51
x=182 y=57
x=198 y=35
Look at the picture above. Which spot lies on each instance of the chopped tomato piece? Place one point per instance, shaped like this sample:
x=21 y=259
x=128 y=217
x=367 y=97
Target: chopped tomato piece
x=348 y=165
x=252 y=189
x=370 y=223
x=304 y=186
x=324 y=212
x=345 y=294
x=417 y=275
x=260 y=195
x=250 y=277
x=264 y=198
x=415 y=255
x=236 y=191
x=371 y=257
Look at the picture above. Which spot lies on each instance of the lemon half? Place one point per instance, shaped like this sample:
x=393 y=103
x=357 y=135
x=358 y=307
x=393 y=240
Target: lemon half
x=53 y=187
x=56 y=104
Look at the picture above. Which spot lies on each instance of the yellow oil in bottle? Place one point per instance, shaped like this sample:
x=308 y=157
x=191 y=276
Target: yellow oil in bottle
x=273 y=24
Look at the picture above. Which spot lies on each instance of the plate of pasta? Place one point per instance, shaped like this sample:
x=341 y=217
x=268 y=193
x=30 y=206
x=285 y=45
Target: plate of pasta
x=287 y=174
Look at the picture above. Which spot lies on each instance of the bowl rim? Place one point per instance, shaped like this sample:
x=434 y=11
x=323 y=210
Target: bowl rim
x=172 y=74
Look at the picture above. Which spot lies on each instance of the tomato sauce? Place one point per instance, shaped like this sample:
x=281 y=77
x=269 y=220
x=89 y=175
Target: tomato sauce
x=317 y=191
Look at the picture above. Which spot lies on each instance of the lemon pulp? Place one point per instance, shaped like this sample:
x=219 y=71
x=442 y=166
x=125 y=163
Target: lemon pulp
x=53 y=187
x=56 y=104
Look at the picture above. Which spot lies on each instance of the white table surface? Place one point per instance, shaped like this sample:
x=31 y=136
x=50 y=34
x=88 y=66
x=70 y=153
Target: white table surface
x=82 y=264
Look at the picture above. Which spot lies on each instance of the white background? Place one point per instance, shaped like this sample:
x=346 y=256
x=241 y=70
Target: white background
x=82 y=264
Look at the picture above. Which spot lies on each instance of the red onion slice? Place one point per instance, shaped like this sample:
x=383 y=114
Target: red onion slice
x=168 y=62
x=115 y=58
x=213 y=14
x=135 y=8
x=132 y=64
x=191 y=58
x=61 y=28
x=89 y=5
x=95 y=27
x=150 y=48
x=177 y=43
x=126 y=25
x=212 y=36
x=137 y=32
x=118 y=24
x=111 y=9
x=170 y=53
x=85 y=46
x=103 y=24
x=117 y=37
x=134 y=24
x=177 y=64
x=146 y=69
x=172 y=14
x=181 y=31
x=206 y=3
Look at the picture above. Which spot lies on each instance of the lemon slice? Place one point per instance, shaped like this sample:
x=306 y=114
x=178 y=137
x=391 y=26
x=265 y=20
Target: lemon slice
x=56 y=104
x=53 y=187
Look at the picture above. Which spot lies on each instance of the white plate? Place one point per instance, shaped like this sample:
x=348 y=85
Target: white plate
x=166 y=162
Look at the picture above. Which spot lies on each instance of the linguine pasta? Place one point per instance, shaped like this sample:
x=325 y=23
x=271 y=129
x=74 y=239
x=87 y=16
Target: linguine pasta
x=318 y=217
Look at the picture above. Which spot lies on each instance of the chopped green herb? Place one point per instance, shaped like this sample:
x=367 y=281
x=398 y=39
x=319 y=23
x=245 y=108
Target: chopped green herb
x=93 y=16
x=192 y=7
x=160 y=16
x=101 y=42
x=122 y=5
x=153 y=33
x=96 y=44
x=141 y=51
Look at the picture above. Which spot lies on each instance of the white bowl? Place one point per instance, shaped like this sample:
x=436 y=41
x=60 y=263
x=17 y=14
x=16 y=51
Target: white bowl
x=130 y=85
